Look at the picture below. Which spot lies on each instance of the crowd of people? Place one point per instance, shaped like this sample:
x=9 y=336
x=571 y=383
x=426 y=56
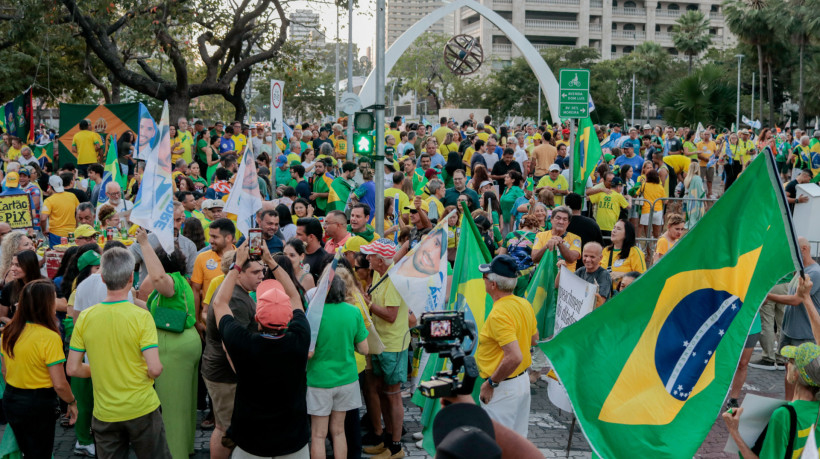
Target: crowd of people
x=130 y=341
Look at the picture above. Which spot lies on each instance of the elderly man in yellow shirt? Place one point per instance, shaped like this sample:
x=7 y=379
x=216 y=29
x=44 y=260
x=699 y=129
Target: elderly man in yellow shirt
x=568 y=244
x=503 y=353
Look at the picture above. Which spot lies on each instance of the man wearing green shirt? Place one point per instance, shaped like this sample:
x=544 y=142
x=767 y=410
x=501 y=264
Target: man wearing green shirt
x=321 y=188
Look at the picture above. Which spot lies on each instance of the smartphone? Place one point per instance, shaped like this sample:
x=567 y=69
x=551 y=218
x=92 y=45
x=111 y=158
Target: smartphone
x=255 y=244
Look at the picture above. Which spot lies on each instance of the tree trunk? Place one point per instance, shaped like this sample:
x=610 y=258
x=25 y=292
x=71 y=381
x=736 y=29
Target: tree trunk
x=801 y=110
x=690 y=63
x=760 y=70
x=116 y=87
x=178 y=104
x=770 y=89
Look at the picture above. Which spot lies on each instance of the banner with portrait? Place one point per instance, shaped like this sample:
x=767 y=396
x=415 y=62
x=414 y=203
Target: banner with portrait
x=420 y=276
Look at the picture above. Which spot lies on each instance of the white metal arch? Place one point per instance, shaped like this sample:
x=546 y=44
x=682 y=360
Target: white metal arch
x=549 y=85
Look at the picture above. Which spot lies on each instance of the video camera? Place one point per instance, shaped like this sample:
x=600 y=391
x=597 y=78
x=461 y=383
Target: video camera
x=444 y=333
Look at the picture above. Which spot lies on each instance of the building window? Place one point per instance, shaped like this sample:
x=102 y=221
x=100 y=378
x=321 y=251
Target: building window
x=614 y=26
x=630 y=4
x=691 y=7
x=657 y=28
x=629 y=26
x=614 y=2
x=613 y=49
x=628 y=49
x=673 y=7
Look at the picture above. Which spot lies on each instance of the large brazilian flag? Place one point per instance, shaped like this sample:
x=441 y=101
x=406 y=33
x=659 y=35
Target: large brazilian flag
x=339 y=192
x=648 y=371
x=542 y=295
x=106 y=120
x=467 y=294
x=587 y=153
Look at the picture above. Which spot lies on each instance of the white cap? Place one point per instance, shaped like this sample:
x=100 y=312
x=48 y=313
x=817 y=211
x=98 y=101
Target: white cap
x=56 y=183
x=555 y=167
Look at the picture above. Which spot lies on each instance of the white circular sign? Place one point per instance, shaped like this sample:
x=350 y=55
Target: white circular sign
x=351 y=103
x=276 y=95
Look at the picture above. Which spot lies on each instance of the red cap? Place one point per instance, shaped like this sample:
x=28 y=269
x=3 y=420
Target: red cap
x=273 y=309
x=566 y=131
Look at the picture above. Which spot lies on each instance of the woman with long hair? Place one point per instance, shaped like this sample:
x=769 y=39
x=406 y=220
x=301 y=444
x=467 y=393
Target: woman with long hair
x=13 y=242
x=652 y=209
x=449 y=145
x=184 y=183
x=33 y=370
x=24 y=269
x=512 y=191
x=694 y=191
x=453 y=164
x=73 y=271
x=622 y=255
x=286 y=225
x=295 y=251
x=308 y=162
x=176 y=143
x=674 y=231
x=194 y=173
x=193 y=230
x=179 y=351
x=300 y=208
x=690 y=150
x=480 y=175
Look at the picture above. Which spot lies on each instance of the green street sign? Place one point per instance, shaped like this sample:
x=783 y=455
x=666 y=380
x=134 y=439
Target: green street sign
x=573 y=94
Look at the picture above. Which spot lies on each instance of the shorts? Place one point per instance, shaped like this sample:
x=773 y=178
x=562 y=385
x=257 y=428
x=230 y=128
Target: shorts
x=657 y=218
x=321 y=401
x=222 y=397
x=391 y=366
x=789 y=341
x=751 y=340
x=708 y=173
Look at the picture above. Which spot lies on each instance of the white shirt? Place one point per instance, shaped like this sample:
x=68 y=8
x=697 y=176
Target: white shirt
x=490 y=159
x=520 y=156
x=92 y=291
x=122 y=206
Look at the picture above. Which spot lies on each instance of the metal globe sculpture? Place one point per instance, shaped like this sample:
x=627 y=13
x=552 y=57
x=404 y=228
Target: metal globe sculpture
x=463 y=54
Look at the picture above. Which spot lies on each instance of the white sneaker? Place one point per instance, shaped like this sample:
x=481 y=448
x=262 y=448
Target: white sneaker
x=85 y=450
x=418 y=436
x=420 y=444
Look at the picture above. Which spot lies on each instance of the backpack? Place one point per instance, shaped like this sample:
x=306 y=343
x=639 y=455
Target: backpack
x=758 y=446
x=523 y=256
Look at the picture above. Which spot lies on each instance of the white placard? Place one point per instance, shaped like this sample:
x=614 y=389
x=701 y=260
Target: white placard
x=576 y=297
x=757 y=410
x=277 y=96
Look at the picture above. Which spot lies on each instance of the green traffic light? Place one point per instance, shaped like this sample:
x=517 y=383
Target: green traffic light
x=363 y=144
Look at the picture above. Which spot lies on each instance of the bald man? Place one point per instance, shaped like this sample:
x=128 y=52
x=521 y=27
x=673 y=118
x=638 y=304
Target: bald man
x=592 y=271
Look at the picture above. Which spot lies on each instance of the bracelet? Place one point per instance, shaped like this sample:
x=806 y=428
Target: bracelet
x=72 y=402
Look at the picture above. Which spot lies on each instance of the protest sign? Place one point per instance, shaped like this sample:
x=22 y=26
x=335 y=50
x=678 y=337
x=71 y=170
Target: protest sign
x=15 y=209
x=576 y=297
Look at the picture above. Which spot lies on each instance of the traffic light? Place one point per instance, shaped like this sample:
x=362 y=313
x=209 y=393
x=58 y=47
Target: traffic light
x=363 y=144
x=363 y=122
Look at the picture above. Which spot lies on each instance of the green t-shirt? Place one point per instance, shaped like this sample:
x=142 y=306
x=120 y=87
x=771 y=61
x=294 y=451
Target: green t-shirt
x=282 y=176
x=777 y=437
x=200 y=150
x=333 y=363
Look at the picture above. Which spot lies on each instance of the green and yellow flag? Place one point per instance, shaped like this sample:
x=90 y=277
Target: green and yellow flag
x=338 y=194
x=46 y=150
x=648 y=371
x=541 y=293
x=467 y=294
x=587 y=154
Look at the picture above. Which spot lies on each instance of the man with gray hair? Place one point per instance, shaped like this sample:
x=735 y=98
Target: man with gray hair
x=503 y=353
x=114 y=193
x=120 y=339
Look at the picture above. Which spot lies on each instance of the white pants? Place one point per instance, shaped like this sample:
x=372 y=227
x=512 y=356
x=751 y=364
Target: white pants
x=510 y=405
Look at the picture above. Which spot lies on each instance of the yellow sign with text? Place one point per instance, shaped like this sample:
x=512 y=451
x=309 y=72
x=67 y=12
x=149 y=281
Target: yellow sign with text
x=15 y=210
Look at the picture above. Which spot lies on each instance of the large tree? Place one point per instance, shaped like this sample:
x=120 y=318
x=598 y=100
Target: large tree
x=156 y=49
x=422 y=69
x=706 y=96
x=648 y=62
x=801 y=19
x=690 y=34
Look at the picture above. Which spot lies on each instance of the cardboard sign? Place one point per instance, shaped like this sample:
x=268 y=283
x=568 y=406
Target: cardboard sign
x=15 y=209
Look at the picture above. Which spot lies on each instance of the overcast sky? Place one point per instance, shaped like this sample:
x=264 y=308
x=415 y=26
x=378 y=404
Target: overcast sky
x=364 y=21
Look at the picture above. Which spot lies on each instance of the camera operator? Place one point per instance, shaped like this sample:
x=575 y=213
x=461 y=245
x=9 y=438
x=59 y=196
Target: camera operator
x=503 y=353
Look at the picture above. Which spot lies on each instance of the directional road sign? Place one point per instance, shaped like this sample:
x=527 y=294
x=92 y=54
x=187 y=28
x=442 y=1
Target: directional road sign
x=573 y=97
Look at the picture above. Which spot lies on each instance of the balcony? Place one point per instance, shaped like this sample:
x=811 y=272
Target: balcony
x=663 y=36
x=715 y=16
x=630 y=12
x=543 y=46
x=595 y=28
x=551 y=26
x=502 y=48
x=673 y=14
x=470 y=29
x=628 y=34
x=555 y=2
x=596 y=4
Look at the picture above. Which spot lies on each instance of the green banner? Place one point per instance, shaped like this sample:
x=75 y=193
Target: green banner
x=105 y=120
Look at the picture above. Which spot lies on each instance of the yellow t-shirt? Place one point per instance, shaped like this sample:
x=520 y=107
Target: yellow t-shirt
x=13 y=154
x=609 y=208
x=704 y=147
x=36 y=349
x=468 y=155
x=441 y=133
x=361 y=361
x=483 y=136
x=394 y=336
x=239 y=141
x=679 y=163
x=60 y=209
x=212 y=286
x=206 y=268
x=186 y=140
x=432 y=200
x=404 y=201
x=560 y=183
x=651 y=192
x=114 y=336
x=664 y=245
x=512 y=319
x=572 y=240
x=743 y=148
x=341 y=147
x=86 y=143
x=634 y=262
x=396 y=135
x=446 y=149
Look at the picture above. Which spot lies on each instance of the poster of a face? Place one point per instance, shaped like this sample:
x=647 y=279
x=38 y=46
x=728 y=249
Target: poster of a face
x=148 y=135
x=420 y=277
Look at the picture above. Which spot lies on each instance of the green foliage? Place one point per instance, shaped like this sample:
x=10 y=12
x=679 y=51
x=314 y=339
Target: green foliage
x=690 y=34
x=706 y=96
x=422 y=69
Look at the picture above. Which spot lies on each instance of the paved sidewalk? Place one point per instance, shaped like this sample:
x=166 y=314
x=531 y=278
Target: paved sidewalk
x=549 y=427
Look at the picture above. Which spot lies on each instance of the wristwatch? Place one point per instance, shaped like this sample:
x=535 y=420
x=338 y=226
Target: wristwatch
x=235 y=266
x=492 y=383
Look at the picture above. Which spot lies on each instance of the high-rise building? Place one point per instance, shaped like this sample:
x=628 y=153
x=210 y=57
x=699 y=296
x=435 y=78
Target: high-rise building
x=304 y=27
x=402 y=14
x=614 y=27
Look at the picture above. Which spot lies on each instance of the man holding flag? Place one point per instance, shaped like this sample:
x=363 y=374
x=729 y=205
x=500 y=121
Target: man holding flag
x=503 y=353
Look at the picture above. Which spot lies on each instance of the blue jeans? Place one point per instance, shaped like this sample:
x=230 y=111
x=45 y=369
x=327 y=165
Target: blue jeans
x=53 y=240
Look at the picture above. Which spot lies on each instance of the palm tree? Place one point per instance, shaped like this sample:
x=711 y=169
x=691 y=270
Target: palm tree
x=690 y=34
x=751 y=21
x=705 y=95
x=801 y=19
x=647 y=62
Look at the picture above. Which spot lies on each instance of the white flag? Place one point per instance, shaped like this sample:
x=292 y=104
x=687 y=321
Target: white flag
x=316 y=303
x=154 y=205
x=245 y=199
x=810 y=449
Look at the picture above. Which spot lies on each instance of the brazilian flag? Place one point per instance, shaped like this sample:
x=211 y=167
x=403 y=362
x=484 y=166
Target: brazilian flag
x=587 y=153
x=322 y=185
x=106 y=120
x=542 y=295
x=467 y=294
x=338 y=194
x=648 y=371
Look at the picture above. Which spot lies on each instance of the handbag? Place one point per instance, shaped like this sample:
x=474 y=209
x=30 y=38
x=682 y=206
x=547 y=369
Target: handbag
x=172 y=320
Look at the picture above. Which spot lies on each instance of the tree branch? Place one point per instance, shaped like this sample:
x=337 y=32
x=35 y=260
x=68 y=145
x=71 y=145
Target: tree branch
x=93 y=79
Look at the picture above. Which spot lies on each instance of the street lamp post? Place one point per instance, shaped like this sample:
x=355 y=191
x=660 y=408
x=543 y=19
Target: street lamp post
x=378 y=112
x=737 y=111
x=349 y=76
